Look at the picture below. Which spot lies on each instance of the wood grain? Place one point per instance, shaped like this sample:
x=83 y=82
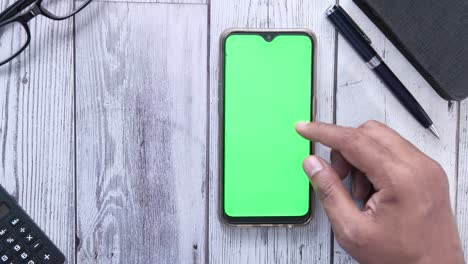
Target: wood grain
x=157 y=1
x=462 y=187
x=36 y=130
x=141 y=133
x=309 y=244
x=231 y=245
x=142 y=189
x=361 y=96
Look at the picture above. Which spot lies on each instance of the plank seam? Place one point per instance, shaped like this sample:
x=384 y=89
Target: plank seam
x=208 y=145
x=75 y=203
x=335 y=92
x=268 y=13
x=457 y=157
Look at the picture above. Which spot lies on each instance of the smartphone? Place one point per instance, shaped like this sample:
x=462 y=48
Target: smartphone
x=267 y=86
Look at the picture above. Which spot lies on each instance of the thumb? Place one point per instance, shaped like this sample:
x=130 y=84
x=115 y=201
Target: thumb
x=340 y=208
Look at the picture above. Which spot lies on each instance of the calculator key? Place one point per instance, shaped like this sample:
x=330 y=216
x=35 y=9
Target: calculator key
x=3 y=232
x=24 y=255
x=15 y=221
x=32 y=261
x=18 y=247
x=46 y=257
x=30 y=238
x=5 y=257
x=23 y=230
x=9 y=240
x=36 y=246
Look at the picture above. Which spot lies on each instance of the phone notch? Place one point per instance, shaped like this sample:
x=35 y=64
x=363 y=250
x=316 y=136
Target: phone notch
x=269 y=36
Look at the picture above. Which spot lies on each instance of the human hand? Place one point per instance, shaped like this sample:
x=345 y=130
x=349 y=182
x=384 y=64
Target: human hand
x=408 y=219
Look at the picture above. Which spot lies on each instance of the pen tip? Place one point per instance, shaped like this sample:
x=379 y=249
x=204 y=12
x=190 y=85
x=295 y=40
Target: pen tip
x=433 y=129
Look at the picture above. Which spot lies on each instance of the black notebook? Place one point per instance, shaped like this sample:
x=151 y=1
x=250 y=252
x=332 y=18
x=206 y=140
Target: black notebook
x=432 y=35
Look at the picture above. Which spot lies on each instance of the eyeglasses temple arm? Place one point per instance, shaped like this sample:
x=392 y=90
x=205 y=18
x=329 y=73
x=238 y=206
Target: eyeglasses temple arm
x=14 y=9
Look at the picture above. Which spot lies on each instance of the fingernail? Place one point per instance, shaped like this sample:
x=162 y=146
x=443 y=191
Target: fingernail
x=312 y=166
x=302 y=123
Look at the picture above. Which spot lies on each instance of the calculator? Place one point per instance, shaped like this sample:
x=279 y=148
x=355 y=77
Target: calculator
x=21 y=240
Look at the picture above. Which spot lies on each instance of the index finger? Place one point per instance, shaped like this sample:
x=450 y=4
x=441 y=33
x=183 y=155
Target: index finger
x=360 y=150
x=389 y=139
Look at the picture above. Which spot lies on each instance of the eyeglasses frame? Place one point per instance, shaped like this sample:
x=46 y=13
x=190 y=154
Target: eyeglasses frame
x=10 y=15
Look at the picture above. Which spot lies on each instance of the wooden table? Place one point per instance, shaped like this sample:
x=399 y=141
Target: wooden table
x=108 y=129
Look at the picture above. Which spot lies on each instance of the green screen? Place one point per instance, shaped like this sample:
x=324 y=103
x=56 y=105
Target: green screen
x=268 y=88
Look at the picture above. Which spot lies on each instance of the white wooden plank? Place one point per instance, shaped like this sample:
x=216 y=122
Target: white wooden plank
x=229 y=245
x=141 y=133
x=158 y=1
x=361 y=97
x=462 y=188
x=36 y=130
x=309 y=244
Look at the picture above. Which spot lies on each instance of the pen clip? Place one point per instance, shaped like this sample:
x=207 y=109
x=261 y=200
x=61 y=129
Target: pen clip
x=351 y=21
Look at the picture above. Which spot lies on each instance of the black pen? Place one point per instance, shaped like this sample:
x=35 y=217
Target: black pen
x=362 y=44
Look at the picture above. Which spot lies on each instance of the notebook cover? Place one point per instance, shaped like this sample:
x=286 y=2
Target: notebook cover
x=432 y=35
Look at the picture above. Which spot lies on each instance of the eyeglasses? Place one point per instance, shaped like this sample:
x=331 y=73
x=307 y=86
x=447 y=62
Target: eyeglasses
x=15 y=35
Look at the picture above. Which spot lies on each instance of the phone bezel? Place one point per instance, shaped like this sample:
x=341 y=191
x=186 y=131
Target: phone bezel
x=270 y=220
